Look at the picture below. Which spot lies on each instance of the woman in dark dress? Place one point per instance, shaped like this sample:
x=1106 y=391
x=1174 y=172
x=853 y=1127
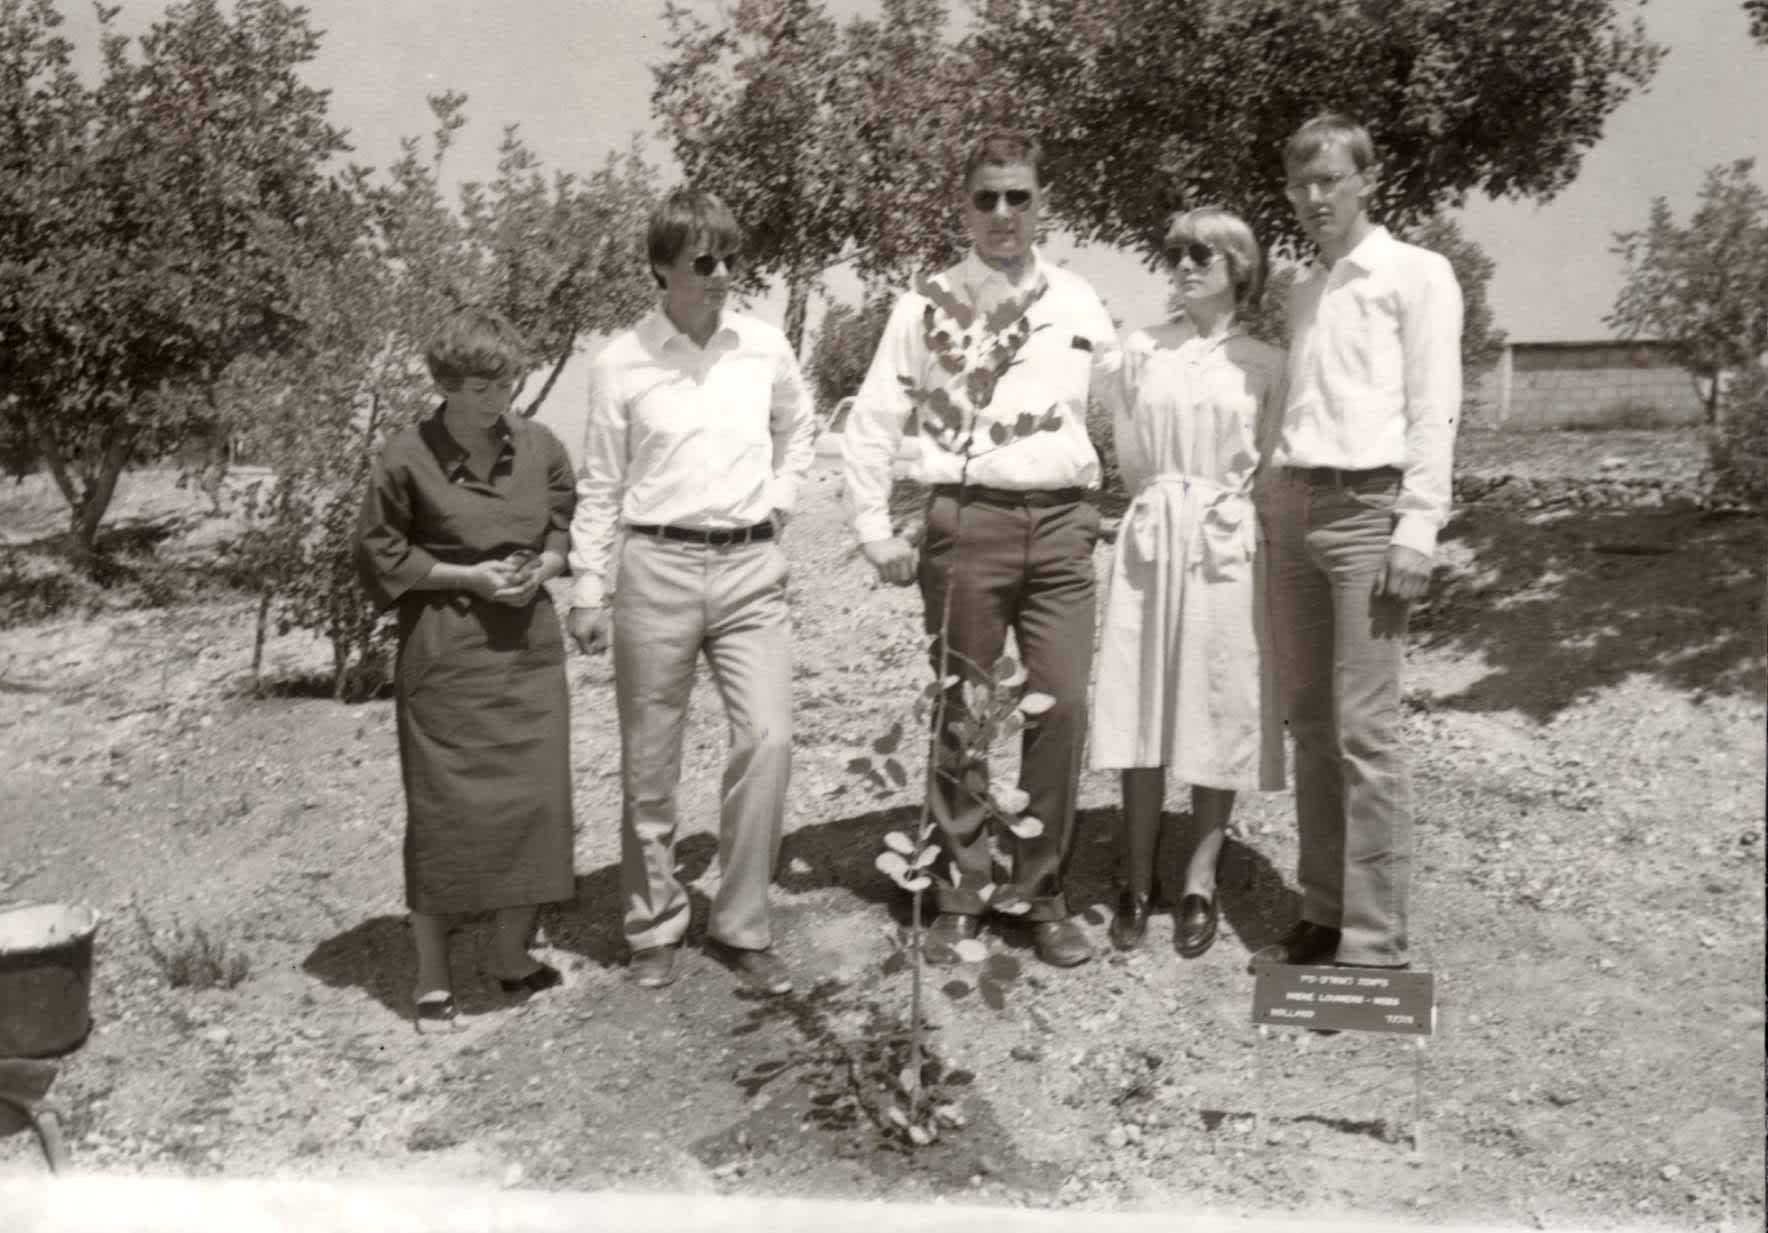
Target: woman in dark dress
x=467 y=514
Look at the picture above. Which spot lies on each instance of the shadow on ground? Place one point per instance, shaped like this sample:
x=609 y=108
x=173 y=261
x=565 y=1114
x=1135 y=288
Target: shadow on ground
x=1561 y=609
x=376 y=955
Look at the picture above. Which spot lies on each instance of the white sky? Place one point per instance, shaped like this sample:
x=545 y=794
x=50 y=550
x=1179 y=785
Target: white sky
x=575 y=75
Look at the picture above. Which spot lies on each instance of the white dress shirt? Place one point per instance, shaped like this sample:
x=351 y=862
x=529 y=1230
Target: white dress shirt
x=1375 y=375
x=680 y=435
x=1072 y=340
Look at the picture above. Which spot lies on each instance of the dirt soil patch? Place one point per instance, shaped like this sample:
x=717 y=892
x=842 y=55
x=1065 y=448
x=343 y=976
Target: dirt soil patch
x=1585 y=708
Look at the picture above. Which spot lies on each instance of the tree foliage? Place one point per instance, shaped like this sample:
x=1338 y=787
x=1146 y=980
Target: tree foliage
x=1147 y=106
x=1757 y=12
x=829 y=143
x=845 y=343
x=150 y=225
x=1702 y=287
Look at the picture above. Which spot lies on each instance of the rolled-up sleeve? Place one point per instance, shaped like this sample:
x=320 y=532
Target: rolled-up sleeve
x=600 y=483
x=1430 y=336
x=875 y=423
x=561 y=498
x=388 y=564
x=792 y=424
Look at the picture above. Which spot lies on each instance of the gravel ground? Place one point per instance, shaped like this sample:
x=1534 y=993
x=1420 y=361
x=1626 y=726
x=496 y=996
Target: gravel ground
x=1587 y=727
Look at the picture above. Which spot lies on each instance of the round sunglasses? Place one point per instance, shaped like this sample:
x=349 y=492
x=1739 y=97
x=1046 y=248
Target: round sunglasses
x=1200 y=254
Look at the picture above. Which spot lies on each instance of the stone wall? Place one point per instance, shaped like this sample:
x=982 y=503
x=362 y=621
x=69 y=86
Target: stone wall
x=1607 y=384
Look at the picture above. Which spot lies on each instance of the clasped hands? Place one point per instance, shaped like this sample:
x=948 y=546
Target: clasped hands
x=515 y=579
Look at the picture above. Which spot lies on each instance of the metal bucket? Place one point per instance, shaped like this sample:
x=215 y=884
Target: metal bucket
x=45 y=978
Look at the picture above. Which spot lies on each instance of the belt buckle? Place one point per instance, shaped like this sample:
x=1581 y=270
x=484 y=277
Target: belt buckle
x=720 y=538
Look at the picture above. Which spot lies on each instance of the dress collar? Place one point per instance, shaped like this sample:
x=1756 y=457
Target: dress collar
x=451 y=453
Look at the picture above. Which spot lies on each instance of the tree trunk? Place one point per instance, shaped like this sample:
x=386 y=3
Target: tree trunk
x=552 y=379
x=258 y=636
x=96 y=491
x=797 y=306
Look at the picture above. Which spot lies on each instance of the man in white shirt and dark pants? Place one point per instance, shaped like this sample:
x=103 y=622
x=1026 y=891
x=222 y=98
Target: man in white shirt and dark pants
x=1015 y=541
x=1358 y=490
x=699 y=435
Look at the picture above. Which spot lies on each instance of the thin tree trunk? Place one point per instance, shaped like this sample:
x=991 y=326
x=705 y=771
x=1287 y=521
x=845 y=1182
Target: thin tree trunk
x=552 y=379
x=797 y=307
x=258 y=636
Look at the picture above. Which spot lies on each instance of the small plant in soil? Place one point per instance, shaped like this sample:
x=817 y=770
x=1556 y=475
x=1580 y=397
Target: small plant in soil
x=191 y=958
x=975 y=706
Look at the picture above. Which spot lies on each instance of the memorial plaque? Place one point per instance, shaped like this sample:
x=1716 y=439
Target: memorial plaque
x=1345 y=999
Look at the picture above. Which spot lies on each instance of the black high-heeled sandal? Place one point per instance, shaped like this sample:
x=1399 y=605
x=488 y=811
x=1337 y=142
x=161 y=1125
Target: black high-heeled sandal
x=435 y=1014
x=544 y=976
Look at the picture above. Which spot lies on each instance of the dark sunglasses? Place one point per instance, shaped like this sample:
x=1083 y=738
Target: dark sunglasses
x=1200 y=254
x=706 y=263
x=986 y=199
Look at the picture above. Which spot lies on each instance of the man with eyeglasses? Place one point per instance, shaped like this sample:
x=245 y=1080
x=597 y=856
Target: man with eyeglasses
x=1357 y=493
x=1011 y=529
x=699 y=435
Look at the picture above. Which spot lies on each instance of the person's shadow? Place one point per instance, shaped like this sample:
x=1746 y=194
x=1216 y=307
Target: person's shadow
x=377 y=957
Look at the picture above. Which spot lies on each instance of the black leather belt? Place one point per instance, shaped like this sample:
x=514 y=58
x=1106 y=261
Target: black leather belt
x=711 y=537
x=1012 y=496
x=1333 y=476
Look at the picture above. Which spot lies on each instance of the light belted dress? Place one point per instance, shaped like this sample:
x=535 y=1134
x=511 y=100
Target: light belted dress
x=1186 y=662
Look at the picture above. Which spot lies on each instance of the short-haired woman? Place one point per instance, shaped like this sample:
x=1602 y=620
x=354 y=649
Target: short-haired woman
x=1185 y=671
x=467 y=514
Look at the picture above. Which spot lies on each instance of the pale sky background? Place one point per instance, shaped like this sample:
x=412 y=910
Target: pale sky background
x=575 y=74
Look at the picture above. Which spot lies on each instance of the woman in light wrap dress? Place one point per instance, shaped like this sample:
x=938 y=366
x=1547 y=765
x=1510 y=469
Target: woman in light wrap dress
x=1185 y=664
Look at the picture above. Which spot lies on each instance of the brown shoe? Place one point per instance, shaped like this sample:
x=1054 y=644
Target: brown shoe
x=1061 y=943
x=762 y=970
x=1305 y=944
x=653 y=967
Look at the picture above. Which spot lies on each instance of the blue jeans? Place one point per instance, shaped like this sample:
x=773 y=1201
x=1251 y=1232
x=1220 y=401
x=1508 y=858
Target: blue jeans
x=1340 y=649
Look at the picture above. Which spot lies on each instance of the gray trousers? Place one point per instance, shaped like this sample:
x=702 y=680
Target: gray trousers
x=1340 y=651
x=1030 y=569
x=675 y=601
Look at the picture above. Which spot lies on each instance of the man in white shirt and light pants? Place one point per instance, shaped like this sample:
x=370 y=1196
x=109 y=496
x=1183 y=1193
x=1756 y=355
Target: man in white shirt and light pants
x=1016 y=541
x=1358 y=490
x=699 y=435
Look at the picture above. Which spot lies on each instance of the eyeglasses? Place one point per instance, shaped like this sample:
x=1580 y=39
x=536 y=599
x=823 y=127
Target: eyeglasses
x=706 y=263
x=1199 y=254
x=986 y=199
x=1326 y=184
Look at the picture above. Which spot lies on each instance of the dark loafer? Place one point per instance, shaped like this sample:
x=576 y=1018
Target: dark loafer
x=652 y=967
x=544 y=976
x=1130 y=923
x=762 y=970
x=1061 y=943
x=1305 y=943
x=1198 y=915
